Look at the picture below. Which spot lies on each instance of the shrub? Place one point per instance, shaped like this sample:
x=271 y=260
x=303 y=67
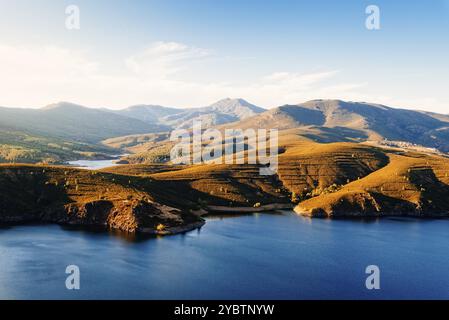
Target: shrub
x=294 y=197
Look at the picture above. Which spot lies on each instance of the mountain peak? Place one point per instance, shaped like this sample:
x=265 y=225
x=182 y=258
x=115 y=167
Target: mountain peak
x=235 y=105
x=63 y=105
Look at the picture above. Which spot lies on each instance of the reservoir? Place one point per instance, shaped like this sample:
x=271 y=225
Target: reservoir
x=258 y=256
x=93 y=164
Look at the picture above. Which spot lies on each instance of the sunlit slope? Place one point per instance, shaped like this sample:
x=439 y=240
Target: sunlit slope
x=21 y=147
x=141 y=170
x=309 y=169
x=305 y=169
x=356 y=121
x=411 y=184
x=226 y=185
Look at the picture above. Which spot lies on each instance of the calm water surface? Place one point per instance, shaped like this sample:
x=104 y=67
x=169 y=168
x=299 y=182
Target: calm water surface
x=93 y=164
x=262 y=256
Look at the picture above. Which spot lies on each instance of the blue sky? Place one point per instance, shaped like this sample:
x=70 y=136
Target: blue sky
x=192 y=52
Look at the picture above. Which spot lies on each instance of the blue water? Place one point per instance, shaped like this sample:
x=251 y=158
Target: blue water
x=262 y=256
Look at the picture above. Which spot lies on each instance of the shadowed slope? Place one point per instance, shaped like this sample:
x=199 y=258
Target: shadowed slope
x=88 y=198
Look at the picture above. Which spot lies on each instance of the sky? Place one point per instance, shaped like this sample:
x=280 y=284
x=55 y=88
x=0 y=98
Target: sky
x=191 y=53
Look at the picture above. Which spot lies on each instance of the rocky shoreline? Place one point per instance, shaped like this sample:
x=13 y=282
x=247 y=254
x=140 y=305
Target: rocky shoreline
x=329 y=214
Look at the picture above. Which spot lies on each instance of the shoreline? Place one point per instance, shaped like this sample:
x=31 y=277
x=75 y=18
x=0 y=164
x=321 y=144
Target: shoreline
x=176 y=230
x=263 y=208
x=368 y=215
x=170 y=231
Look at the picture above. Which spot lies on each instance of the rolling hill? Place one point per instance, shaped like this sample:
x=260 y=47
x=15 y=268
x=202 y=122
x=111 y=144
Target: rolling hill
x=411 y=184
x=90 y=199
x=66 y=131
x=21 y=147
x=357 y=121
x=323 y=180
x=62 y=132
x=72 y=122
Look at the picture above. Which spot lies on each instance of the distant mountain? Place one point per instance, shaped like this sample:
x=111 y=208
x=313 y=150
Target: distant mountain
x=357 y=121
x=223 y=111
x=152 y=114
x=73 y=122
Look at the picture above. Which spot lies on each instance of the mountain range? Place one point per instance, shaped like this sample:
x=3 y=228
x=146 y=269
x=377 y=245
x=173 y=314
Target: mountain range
x=63 y=131
x=224 y=111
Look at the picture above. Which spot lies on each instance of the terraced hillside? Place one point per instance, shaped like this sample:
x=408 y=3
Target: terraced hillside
x=324 y=180
x=310 y=169
x=411 y=184
x=225 y=185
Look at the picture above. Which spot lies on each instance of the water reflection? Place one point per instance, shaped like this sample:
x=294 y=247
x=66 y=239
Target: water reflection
x=263 y=256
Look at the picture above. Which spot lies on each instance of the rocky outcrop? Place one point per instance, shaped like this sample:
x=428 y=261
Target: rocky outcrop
x=129 y=216
x=82 y=198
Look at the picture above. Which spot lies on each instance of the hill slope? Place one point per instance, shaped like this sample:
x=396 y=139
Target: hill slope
x=72 y=122
x=327 y=121
x=151 y=114
x=328 y=180
x=358 y=122
x=21 y=147
x=411 y=184
x=86 y=198
x=62 y=132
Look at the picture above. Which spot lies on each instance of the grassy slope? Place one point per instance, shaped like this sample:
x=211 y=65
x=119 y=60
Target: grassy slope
x=21 y=147
x=308 y=169
x=227 y=185
x=411 y=184
x=305 y=168
x=82 y=197
x=72 y=122
x=330 y=180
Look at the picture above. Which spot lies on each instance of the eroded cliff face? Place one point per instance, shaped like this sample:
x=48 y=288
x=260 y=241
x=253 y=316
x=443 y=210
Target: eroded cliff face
x=76 y=197
x=130 y=216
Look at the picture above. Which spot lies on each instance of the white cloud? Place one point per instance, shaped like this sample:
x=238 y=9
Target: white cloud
x=36 y=76
x=163 y=59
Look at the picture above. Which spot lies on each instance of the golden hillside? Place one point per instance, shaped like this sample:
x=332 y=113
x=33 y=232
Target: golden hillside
x=309 y=169
x=324 y=180
x=411 y=184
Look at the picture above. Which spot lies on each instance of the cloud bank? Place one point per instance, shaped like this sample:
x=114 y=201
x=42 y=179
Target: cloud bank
x=159 y=74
